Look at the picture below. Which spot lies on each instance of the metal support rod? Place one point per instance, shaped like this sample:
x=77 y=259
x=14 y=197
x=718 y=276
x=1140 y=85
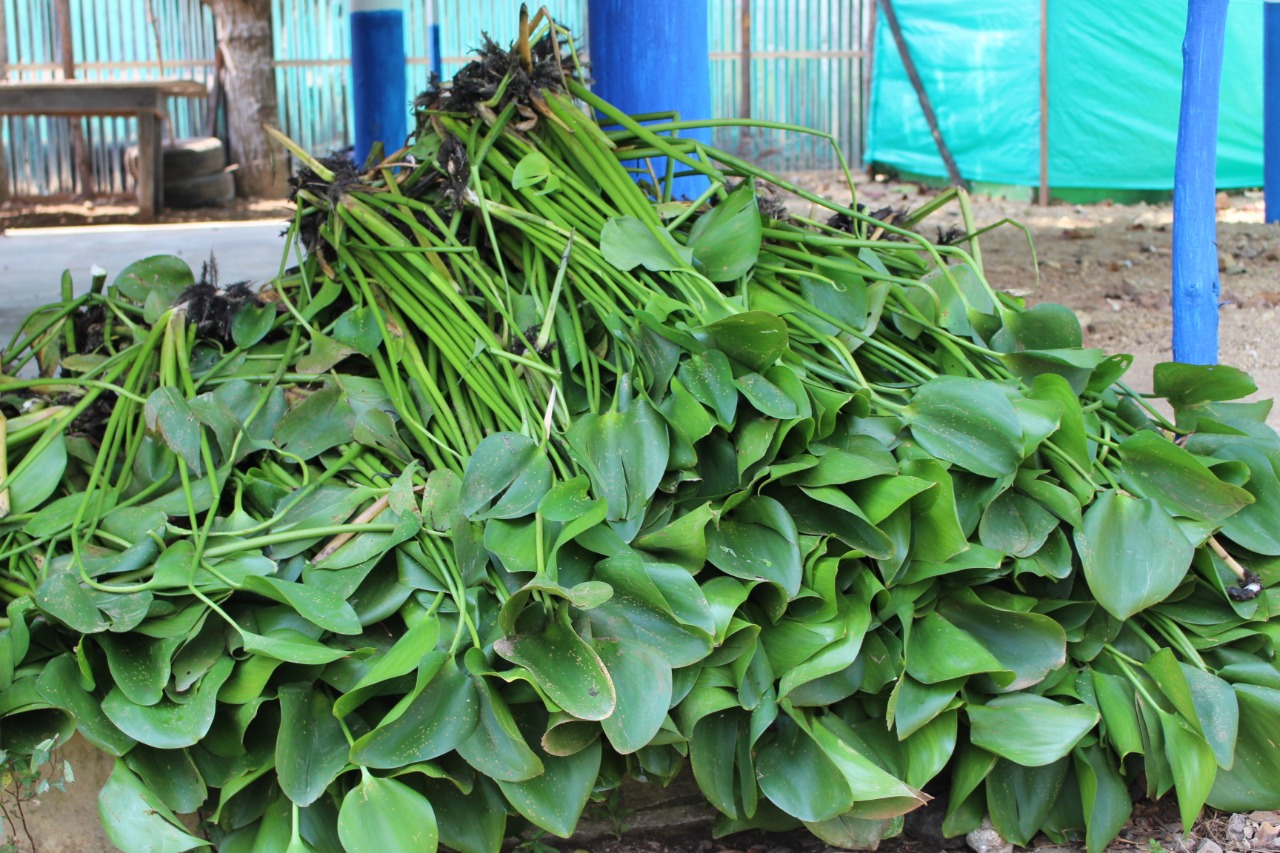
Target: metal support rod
x=891 y=18
x=652 y=57
x=378 y=86
x=1271 y=107
x=1043 y=197
x=433 y=30
x=1195 y=252
x=744 y=77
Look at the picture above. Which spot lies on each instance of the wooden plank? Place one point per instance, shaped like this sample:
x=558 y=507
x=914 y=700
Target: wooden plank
x=66 y=50
x=150 y=167
x=744 y=77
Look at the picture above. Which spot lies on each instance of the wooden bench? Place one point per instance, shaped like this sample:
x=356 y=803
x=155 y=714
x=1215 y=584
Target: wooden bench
x=143 y=99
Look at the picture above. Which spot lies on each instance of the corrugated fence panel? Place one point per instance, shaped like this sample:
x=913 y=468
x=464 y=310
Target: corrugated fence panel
x=806 y=69
x=111 y=40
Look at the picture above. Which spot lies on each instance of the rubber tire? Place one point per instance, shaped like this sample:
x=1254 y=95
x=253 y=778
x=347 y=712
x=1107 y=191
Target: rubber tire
x=190 y=158
x=186 y=158
x=216 y=190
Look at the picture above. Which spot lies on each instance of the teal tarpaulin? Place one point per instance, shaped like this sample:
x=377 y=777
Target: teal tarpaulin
x=1114 y=88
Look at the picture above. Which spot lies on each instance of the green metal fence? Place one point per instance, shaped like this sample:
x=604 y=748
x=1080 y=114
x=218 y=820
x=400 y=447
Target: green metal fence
x=804 y=63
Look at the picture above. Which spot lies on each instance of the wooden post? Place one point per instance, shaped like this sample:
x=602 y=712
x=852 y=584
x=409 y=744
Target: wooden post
x=891 y=18
x=4 y=75
x=1043 y=197
x=1271 y=108
x=79 y=148
x=744 y=76
x=1195 y=254
x=869 y=62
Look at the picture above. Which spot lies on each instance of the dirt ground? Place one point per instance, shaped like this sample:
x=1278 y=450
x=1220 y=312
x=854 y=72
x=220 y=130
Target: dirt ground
x=1109 y=263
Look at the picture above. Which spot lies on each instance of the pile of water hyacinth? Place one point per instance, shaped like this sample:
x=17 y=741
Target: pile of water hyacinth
x=529 y=479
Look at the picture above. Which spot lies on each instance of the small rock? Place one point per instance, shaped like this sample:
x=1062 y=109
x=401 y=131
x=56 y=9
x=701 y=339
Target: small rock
x=985 y=839
x=1238 y=829
x=1267 y=835
x=1209 y=846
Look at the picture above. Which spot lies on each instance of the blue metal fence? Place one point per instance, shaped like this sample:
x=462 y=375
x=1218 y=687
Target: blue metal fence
x=805 y=67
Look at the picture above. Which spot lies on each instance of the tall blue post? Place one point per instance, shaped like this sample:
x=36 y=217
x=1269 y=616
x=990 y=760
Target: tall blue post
x=1195 y=237
x=653 y=57
x=433 y=31
x=378 y=89
x=1271 y=107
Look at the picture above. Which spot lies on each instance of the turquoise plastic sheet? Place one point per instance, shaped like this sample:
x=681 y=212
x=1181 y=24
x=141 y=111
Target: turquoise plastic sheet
x=1115 y=82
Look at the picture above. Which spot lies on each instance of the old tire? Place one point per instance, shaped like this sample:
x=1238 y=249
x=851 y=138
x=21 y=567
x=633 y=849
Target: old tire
x=189 y=158
x=186 y=158
x=216 y=190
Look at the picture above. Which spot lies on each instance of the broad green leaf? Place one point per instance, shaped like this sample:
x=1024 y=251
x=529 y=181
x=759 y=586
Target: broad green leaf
x=1161 y=470
x=403 y=657
x=183 y=790
x=31 y=486
x=439 y=718
x=1030 y=645
x=1028 y=729
x=62 y=596
x=167 y=274
x=310 y=749
x=139 y=664
x=1019 y=798
x=642 y=679
x=554 y=800
x=863 y=771
x=709 y=378
x=565 y=666
x=1188 y=384
x=136 y=821
x=496 y=747
x=1015 y=524
x=1217 y=710
x=1104 y=797
x=726 y=239
x=753 y=338
x=506 y=477
x=938 y=651
x=168 y=412
x=313 y=603
x=969 y=423
x=625 y=455
x=251 y=323
x=1253 y=782
x=59 y=684
x=322 y=420
x=382 y=815
x=627 y=243
x=1132 y=553
x=168 y=724
x=328 y=505
x=758 y=541
x=1193 y=764
x=800 y=778
x=358 y=329
x=533 y=168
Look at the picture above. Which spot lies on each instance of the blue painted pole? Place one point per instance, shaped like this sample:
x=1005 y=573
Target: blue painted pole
x=437 y=60
x=1271 y=107
x=1195 y=238
x=378 y=88
x=653 y=57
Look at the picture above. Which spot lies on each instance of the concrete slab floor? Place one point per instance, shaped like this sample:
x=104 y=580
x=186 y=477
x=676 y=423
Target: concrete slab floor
x=32 y=259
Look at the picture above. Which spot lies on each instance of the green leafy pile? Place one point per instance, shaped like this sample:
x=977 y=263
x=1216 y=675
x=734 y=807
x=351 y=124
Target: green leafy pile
x=530 y=479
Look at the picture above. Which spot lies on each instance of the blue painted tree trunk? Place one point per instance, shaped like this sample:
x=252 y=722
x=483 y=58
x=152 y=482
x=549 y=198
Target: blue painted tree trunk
x=1271 y=107
x=1195 y=241
x=378 y=88
x=653 y=57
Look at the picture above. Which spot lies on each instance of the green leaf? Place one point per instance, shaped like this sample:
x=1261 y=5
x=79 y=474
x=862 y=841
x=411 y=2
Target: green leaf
x=315 y=604
x=726 y=239
x=1104 y=797
x=251 y=323
x=383 y=815
x=1188 y=384
x=168 y=275
x=136 y=821
x=642 y=680
x=968 y=422
x=1253 y=782
x=59 y=685
x=435 y=721
x=496 y=747
x=1132 y=552
x=627 y=243
x=709 y=379
x=533 y=168
x=358 y=329
x=554 y=800
x=625 y=455
x=323 y=419
x=1161 y=470
x=799 y=777
x=1021 y=798
x=938 y=651
x=1028 y=729
x=1016 y=525
x=32 y=486
x=753 y=338
x=1193 y=764
x=168 y=724
x=758 y=541
x=139 y=664
x=310 y=749
x=1030 y=645
x=506 y=477
x=565 y=666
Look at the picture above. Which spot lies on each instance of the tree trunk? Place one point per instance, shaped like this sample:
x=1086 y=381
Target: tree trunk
x=244 y=36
